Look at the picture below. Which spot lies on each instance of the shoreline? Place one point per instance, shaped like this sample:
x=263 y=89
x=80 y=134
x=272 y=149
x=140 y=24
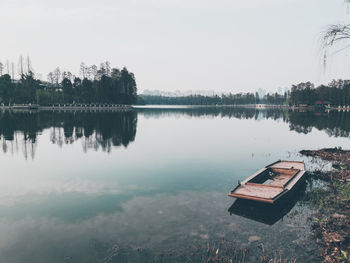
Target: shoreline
x=82 y=107
x=331 y=222
x=117 y=107
x=248 y=106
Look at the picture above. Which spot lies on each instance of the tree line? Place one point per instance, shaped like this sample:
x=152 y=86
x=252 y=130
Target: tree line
x=336 y=93
x=224 y=99
x=94 y=85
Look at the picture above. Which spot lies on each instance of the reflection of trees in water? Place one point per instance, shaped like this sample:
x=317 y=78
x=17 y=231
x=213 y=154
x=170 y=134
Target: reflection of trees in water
x=104 y=130
x=224 y=112
x=19 y=132
x=333 y=123
x=96 y=130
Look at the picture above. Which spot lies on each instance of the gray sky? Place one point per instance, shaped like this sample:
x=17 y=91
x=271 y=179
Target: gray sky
x=222 y=45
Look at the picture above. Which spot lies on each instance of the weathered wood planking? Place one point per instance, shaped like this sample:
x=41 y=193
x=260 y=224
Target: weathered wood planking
x=271 y=182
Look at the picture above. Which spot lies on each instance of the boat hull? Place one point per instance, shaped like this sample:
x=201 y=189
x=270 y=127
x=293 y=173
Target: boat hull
x=265 y=212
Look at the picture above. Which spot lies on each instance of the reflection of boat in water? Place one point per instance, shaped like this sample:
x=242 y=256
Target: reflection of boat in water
x=271 y=183
x=267 y=213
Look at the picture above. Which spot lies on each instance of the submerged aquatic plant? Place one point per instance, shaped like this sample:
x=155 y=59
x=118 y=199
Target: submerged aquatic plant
x=344 y=257
x=343 y=189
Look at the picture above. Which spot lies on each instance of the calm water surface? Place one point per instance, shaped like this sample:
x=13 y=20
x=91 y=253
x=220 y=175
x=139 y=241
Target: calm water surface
x=148 y=184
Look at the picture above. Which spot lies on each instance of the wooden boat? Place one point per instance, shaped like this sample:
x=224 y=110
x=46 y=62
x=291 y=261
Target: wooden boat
x=271 y=183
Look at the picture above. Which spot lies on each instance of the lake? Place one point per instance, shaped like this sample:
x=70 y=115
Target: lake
x=151 y=184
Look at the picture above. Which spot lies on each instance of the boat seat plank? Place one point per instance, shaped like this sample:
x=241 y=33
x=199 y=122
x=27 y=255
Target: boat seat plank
x=289 y=165
x=264 y=185
x=258 y=191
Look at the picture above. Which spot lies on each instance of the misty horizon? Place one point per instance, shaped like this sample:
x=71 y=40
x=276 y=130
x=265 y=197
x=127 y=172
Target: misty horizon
x=194 y=45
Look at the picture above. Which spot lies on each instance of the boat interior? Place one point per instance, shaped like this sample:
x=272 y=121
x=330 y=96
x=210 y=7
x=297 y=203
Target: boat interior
x=274 y=177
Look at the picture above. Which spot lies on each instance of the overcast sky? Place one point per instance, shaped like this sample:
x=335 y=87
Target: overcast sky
x=222 y=45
